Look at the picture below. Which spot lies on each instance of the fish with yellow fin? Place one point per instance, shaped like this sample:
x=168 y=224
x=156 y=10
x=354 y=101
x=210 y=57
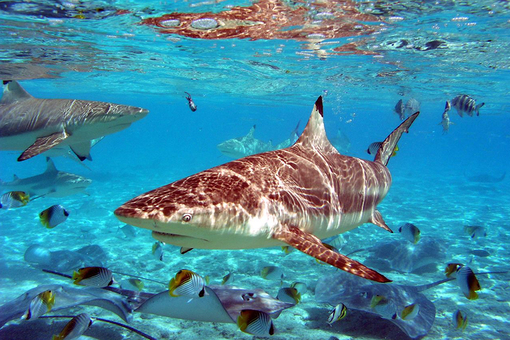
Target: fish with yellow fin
x=255 y=322
x=460 y=320
x=452 y=268
x=410 y=311
x=475 y=231
x=75 y=328
x=157 y=250
x=468 y=282
x=337 y=313
x=14 y=199
x=187 y=283
x=410 y=232
x=374 y=147
x=272 y=273
x=289 y=294
x=99 y=277
x=39 y=305
x=53 y=216
x=227 y=278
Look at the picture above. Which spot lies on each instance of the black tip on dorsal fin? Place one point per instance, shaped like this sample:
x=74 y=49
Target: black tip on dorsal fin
x=318 y=105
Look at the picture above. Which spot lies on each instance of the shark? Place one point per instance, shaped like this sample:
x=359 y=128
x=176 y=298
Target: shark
x=244 y=146
x=294 y=196
x=51 y=183
x=248 y=145
x=34 y=125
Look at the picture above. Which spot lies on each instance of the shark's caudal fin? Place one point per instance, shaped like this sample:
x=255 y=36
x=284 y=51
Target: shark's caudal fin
x=311 y=245
x=388 y=146
x=13 y=92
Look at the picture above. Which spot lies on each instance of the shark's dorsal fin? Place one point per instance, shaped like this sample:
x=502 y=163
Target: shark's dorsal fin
x=13 y=92
x=388 y=146
x=252 y=131
x=15 y=177
x=314 y=134
x=50 y=166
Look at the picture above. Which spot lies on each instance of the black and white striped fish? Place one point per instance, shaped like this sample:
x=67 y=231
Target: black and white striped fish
x=465 y=104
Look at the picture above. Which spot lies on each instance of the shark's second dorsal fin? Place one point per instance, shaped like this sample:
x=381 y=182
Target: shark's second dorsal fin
x=314 y=134
x=13 y=92
x=50 y=166
x=388 y=146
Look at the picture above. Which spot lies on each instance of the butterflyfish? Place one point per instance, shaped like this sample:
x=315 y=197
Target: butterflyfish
x=451 y=269
x=39 y=305
x=337 y=313
x=272 y=273
x=289 y=294
x=475 y=231
x=410 y=232
x=14 y=199
x=75 y=327
x=255 y=322
x=187 y=283
x=53 y=216
x=460 y=320
x=468 y=282
x=99 y=277
x=410 y=311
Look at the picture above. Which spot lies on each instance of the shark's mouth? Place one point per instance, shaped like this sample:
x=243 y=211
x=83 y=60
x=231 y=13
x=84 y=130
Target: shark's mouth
x=169 y=237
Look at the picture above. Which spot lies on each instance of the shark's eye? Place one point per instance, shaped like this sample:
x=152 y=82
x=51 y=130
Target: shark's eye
x=186 y=217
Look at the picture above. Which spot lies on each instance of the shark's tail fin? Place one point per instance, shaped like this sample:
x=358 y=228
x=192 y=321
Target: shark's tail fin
x=388 y=146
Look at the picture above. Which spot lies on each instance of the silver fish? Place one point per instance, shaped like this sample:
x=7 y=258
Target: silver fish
x=465 y=104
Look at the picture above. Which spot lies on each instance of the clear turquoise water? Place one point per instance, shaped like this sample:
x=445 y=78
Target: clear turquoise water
x=115 y=59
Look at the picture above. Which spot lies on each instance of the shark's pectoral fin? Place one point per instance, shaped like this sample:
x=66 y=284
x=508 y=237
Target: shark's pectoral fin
x=378 y=220
x=311 y=245
x=42 y=144
x=82 y=150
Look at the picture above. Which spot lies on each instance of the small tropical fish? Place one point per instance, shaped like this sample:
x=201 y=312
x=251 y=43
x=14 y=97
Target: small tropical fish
x=475 y=231
x=378 y=300
x=479 y=252
x=400 y=110
x=157 y=250
x=410 y=232
x=468 y=282
x=191 y=104
x=289 y=294
x=39 y=305
x=445 y=122
x=337 y=313
x=460 y=320
x=412 y=106
x=227 y=278
x=99 y=277
x=272 y=273
x=300 y=286
x=255 y=322
x=452 y=268
x=53 y=216
x=187 y=283
x=287 y=249
x=374 y=147
x=75 y=328
x=410 y=312
x=14 y=199
x=132 y=284
x=465 y=104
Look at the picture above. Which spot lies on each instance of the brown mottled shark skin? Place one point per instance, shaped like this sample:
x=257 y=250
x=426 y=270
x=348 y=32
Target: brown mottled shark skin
x=38 y=125
x=293 y=196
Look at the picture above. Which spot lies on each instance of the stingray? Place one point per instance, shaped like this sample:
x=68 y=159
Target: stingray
x=486 y=178
x=65 y=260
x=220 y=304
x=356 y=293
x=406 y=257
